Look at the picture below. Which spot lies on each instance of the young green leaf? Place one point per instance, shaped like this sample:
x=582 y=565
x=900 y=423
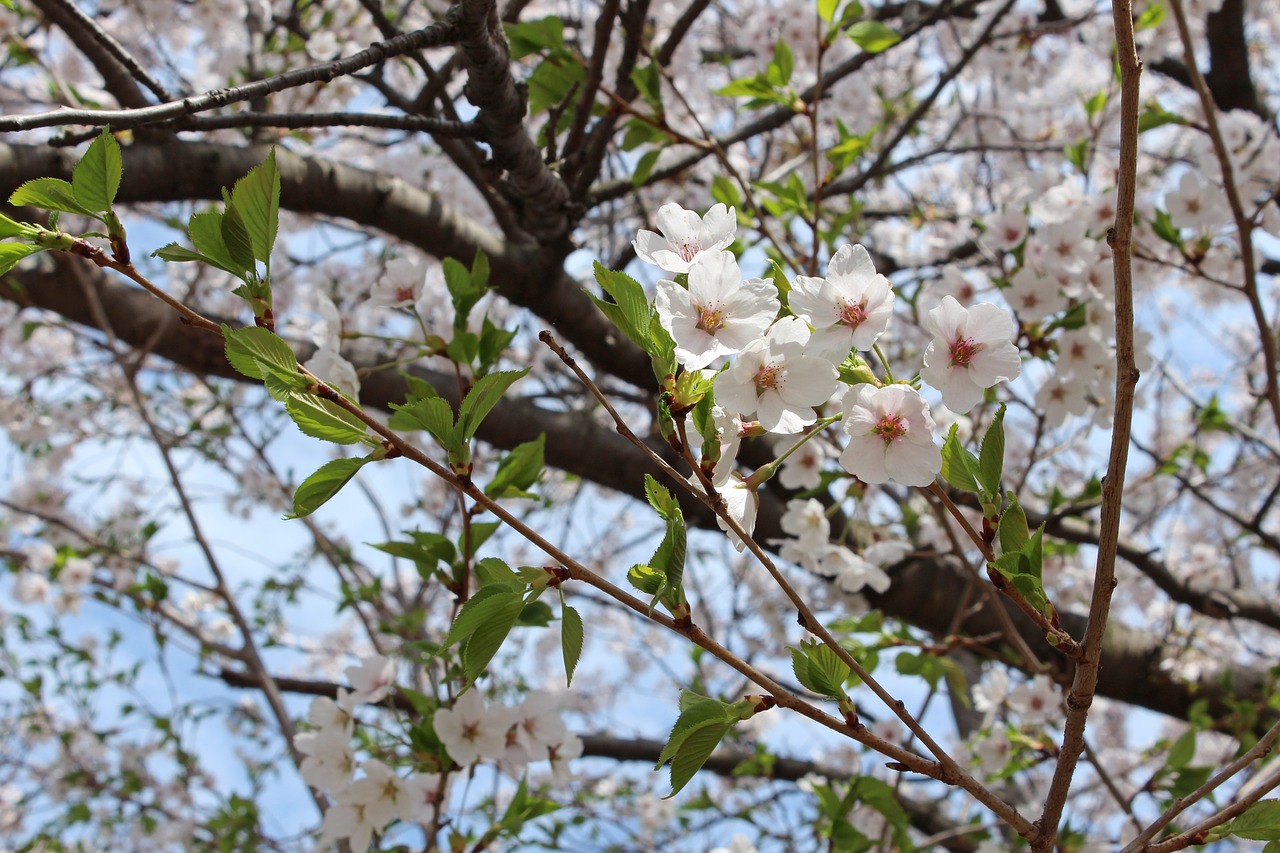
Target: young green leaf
x=820 y=669
x=9 y=228
x=991 y=456
x=630 y=310
x=492 y=570
x=693 y=753
x=1260 y=822
x=205 y=229
x=11 y=253
x=432 y=414
x=959 y=466
x=1013 y=531
x=571 y=636
x=486 y=625
x=49 y=194
x=326 y=482
x=518 y=470
x=873 y=36
x=324 y=419
x=236 y=238
x=96 y=178
x=256 y=200
x=482 y=397
x=248 y=346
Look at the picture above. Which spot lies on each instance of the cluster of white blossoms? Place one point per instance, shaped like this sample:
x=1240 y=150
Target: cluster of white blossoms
x=782 y=364
x=367 y=796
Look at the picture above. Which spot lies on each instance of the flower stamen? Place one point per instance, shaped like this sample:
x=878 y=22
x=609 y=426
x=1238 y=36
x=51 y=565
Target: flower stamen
x=962 y=352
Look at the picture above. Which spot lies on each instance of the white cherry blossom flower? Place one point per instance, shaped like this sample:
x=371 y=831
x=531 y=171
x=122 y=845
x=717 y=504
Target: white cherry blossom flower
x=718 y=314
x=331 y=367
x=774 y=378
x=371 y=680
x=852 y=573
x=741 y=503
x=469 y=732
x=849 y=309
x=890 y=436
x=1197 y=204
x=401 y=283
x=1005 y=230
x=803 y=468
x=685 y=235
x=971 y=351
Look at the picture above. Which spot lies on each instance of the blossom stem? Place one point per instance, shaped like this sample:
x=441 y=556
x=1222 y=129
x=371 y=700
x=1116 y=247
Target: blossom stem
x=888 y=371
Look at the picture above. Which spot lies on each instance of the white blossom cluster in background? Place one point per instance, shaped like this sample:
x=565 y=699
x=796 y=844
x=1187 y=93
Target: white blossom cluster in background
x=782 y=368
x=368 y=795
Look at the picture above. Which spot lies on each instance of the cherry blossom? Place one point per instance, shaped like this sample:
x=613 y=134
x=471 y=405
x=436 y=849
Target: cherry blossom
x=718 y=314
x=971 y=351
x=849 y=309
x=685 y=235
x=774 y=378
x=890 y=436
x=371 y=680
x=470 y=732
x=1197 y=204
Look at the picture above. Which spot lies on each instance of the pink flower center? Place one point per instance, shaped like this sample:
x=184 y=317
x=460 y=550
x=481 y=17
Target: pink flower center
x=962 y=351
x=852 y=315
x=404 y=293
x=891 y=428
x=710 y=318
x=687 y=248
x=768 y=377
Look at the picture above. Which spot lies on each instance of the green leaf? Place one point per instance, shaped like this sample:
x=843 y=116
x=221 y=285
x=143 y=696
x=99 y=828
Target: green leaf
x=528 y=37
x=630 y=310
x=235 y=235
x=1162 y=226
x=464 y=292
x=482 y=397
x=991 y=455
x=256 y=199
x=648 y=82
x=1013 y=532
x=492 y=570
x=324 y=419
x=1095 y=104
x=11 y=253
x=694 y=752
x=432 y=414
x=248 y=346
x=779 y=71
x=8 y=4
x=1154 y=115
x=695 y=712
x=819 y=668
x=644 y=168
x=96 y=178
x=205 y=229
x=827 y=9
x=646 y=578
x=1260 y=822
x=48 y=194
x=10 y=228
x=535 y=614
x=571 y=636
x=669 y=558
x=873 y=36
x=1183 y=750
x=326 y=482
x=486 y=626
x=1078 y=153
x=176 y=254
x=518 y=470
x=553 y=80
x=959 y=466
x=1151 y=17
x=483 y=606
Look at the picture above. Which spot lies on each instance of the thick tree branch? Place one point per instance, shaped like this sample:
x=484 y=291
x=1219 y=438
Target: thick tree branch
x=503 y=104
x=528 y=275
